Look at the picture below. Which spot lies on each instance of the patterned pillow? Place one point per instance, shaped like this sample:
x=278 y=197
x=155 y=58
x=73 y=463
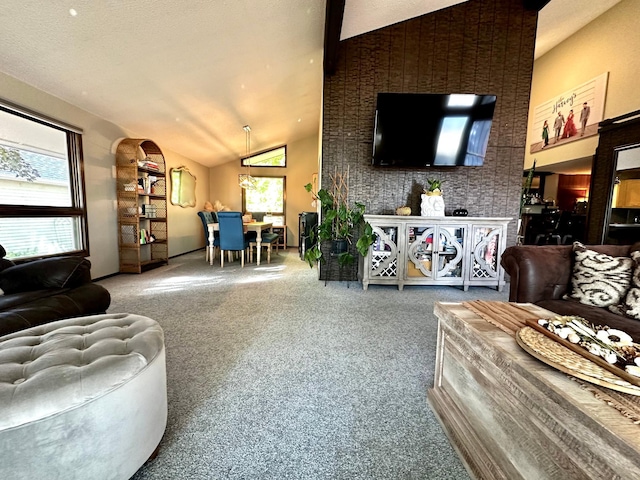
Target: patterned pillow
x=631 y=304
x=599 y=279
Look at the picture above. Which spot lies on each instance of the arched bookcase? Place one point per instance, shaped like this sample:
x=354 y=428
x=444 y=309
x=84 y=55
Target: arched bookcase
x=142 y=205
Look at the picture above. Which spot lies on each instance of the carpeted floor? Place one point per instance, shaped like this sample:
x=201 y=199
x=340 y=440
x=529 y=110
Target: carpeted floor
x=272 y=375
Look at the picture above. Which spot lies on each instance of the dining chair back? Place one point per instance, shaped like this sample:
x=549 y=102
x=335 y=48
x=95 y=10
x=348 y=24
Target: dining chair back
x=232 y=236
x=209 y=217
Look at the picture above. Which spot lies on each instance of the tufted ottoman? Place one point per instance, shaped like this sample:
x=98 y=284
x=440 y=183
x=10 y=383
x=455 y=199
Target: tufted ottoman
x=82 y=398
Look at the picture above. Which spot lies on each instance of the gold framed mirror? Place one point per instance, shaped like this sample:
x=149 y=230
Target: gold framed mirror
x=183 y=187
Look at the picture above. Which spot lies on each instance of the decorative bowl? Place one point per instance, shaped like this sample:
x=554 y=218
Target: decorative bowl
x=403 y=211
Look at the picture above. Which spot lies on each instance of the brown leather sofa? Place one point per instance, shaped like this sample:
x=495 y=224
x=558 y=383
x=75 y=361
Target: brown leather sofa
x=45 y=290
x=542 y=275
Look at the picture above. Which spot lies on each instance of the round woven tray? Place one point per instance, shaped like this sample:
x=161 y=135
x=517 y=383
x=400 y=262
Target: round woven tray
x=559 y=357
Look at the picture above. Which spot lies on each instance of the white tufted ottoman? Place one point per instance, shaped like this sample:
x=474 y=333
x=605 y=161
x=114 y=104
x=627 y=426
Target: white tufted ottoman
x=82 y=398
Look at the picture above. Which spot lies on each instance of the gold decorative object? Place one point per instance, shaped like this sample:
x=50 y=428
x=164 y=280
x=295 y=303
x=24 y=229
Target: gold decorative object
x=403 y=210
x=562 y=358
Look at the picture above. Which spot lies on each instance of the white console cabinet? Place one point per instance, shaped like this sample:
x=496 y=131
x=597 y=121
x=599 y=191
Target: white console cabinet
x=413 y=250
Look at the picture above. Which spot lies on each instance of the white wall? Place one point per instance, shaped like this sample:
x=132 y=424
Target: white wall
x=608 y=44
x=184 y=227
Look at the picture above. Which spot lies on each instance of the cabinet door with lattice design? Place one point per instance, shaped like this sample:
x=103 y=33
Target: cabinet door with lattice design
x=382 y=261
x=486 y=251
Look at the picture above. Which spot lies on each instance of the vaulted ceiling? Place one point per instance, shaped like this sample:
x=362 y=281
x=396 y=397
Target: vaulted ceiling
x=189 y=75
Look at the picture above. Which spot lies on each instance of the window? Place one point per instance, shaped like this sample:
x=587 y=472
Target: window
x=268 y=198
x=275 y=157
x=42 y=203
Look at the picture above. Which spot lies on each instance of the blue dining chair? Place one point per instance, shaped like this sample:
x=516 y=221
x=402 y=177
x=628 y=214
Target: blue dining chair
x=232 y=236
x=209 y=217
x=268 y=240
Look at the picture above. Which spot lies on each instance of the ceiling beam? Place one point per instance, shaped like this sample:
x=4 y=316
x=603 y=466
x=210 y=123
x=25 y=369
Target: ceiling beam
x=535 y=4
x=332 y=29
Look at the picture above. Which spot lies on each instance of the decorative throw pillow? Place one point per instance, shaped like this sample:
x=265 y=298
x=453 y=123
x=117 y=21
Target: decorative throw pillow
x=631 y=304
x=599 y=279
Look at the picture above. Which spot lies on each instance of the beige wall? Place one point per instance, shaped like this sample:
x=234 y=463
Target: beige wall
x=99 y=137
x=608 y=44
x=302 y=163
x=185 y=227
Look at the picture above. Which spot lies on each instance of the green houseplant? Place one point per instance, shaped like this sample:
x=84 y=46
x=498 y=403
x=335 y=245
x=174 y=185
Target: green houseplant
x=435 y=186
x=339 y=223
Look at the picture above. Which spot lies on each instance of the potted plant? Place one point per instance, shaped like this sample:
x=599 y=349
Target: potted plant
x=435 y=187
x=339 y=223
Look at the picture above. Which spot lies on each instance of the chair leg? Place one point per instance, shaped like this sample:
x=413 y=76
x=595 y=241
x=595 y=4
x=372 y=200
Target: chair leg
x=221 y=258
x=242 y=258
x=269 y=254
x=206 y=253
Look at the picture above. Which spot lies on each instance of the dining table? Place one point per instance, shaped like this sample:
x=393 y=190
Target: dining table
x=257 y=227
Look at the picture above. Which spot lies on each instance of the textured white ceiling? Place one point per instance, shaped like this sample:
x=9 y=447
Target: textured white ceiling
x=189 y=75
x=362 y=16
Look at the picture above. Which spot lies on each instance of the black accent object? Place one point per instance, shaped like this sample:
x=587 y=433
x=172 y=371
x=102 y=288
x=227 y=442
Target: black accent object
x=332 y=28
x=534 y=4
x=460 y=212
x=417 y=130
x=306 y=223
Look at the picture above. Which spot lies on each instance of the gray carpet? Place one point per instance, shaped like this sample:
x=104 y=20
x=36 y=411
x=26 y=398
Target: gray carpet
x=272 y=375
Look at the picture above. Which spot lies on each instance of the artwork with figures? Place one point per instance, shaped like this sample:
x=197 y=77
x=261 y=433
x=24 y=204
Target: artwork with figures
x=570 y=116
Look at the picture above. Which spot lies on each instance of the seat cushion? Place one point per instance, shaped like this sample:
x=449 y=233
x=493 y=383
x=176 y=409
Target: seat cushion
x=83 y=398
x=269 y=237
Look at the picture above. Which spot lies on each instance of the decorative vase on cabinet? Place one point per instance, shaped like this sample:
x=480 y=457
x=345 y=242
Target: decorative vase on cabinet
x=142 y=205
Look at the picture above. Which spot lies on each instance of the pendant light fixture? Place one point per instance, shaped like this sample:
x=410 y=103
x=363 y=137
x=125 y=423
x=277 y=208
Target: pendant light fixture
x=246 y=180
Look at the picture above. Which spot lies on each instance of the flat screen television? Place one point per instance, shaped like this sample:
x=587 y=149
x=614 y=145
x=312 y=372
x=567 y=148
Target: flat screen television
x=416 y=130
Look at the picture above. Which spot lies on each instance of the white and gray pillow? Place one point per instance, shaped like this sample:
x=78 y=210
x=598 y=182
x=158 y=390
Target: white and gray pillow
x=599 y=279
x=630 y=306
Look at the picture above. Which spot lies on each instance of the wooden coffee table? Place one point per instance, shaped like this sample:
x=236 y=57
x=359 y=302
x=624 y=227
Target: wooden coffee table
x=510 y=416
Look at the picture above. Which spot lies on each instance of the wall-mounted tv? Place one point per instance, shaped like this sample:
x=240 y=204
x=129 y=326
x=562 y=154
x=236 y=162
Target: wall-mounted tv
x=415 y=130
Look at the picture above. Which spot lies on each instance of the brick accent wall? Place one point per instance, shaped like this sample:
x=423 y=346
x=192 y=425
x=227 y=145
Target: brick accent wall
x=480 y=46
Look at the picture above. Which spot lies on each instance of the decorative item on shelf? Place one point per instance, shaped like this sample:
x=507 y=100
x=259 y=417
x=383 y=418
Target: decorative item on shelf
x=150 y=210
x=246 y=181
x=432 y=204
x=149 y=164
x=460 y=212
x=153 y=181
x=217 y=206
x=405 y=211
